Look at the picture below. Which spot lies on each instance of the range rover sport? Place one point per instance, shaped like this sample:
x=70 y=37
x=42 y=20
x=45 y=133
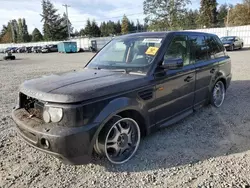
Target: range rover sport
x=136 y=84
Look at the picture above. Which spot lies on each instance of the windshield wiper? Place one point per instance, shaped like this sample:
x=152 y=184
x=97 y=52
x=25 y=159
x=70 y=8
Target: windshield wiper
x=114 y=70
x=118 y=70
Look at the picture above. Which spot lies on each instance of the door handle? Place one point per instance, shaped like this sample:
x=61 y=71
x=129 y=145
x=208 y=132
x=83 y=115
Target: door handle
x=188 y=79
x=212 y=71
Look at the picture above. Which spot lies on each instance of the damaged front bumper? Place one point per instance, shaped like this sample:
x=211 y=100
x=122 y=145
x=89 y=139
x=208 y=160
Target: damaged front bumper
x=73 y=145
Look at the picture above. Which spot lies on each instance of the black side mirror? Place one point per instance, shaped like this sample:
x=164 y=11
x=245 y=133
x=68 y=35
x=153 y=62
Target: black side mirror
x=172 y=64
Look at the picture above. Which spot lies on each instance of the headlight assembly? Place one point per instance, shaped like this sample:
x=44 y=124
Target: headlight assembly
x=53 y=114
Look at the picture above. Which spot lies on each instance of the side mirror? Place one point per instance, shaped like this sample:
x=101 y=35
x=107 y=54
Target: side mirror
x=172 y=64
x=235 y=39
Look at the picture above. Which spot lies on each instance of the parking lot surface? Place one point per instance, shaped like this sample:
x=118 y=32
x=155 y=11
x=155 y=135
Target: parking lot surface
x=211 y=148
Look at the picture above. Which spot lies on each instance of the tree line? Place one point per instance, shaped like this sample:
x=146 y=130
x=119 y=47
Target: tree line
x=159 y=15
x=174 y=14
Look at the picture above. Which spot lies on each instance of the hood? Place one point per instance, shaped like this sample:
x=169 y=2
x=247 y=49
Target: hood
x=227 y=42
x=79 y=86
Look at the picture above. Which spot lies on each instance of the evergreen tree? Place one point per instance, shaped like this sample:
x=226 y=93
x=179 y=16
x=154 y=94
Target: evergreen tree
x=208 y=13
x=118 y=28
x=190 y=19
x=88 y=28
x=165 y=14
x=132 y=27
x=3 y=32
x=14 y=30
x=36 y=35
x=20 y=30
x=125 y=25
x=95 y=30
x=26 y=36
x=54 y=27
x=82 y=32
x=103 y=29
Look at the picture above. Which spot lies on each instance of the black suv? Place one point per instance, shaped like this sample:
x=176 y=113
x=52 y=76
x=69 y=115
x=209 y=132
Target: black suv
x=134 y=85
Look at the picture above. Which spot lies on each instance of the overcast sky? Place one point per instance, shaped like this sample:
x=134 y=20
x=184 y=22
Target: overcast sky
x=79 y=12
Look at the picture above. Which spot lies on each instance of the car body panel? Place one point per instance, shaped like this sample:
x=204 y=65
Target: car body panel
x=82 y=85
x=173 y=92
x=91 y=97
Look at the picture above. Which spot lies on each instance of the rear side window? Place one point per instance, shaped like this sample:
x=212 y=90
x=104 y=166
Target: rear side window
x=219 y=43
x=215 y=47
x=199 y=48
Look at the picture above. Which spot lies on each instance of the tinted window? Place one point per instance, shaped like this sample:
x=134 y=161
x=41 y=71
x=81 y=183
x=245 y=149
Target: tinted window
x=199 y=48
x=219 y=43
x=215 y=49
x=178 y=49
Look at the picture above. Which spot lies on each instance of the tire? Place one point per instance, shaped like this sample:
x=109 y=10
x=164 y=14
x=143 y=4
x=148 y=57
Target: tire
x=241 y=46
x=232 y=48
x=119 y=140
x=218 y=94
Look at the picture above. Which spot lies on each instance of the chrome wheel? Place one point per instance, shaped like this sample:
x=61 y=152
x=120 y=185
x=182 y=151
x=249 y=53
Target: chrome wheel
x=218 y=94
x=121 y=140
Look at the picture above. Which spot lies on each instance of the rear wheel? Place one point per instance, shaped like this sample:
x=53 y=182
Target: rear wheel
x=218 y=94
x=119 y=140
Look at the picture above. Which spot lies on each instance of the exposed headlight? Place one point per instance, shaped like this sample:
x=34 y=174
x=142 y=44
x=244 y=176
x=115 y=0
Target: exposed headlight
x=226 y=44
x=53 y=114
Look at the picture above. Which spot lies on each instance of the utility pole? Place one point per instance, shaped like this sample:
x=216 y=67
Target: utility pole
x=228 y=12
x=137 y=27
x=66 y=6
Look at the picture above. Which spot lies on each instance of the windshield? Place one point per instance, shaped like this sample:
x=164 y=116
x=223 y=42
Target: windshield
x=227 y=38
x=132 y=54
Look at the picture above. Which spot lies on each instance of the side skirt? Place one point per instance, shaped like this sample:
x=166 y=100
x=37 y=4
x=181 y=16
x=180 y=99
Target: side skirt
x=176 y=118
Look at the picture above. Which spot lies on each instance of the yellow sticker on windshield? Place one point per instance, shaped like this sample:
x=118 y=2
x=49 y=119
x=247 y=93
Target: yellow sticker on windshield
x=152 y=50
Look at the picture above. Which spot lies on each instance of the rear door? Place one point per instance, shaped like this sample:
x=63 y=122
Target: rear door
x=206 y=66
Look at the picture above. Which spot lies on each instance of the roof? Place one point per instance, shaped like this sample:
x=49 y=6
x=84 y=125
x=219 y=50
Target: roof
x=146 y=34
x=230 y=36
x=161 y=34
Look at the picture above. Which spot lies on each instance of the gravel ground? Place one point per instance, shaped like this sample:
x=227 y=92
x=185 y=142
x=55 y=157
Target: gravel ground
x=211 y=148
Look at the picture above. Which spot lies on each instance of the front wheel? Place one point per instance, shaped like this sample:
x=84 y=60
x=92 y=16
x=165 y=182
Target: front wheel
x=218 y=94
x=241 y=46
x=232 y=48
x=119 y=140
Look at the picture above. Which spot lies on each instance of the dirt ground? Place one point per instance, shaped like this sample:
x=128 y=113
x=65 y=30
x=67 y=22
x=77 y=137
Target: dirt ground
x=211 y=148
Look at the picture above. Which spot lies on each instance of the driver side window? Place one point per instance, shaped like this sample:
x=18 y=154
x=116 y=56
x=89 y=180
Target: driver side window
x=178 y=48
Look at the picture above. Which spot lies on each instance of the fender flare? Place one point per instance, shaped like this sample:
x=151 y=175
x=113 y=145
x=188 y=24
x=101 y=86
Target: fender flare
x=220 y=76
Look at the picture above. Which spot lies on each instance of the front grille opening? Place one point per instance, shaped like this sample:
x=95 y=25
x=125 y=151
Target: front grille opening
x=31 y=105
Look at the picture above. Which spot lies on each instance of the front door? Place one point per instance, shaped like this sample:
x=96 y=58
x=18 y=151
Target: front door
x=175 y=88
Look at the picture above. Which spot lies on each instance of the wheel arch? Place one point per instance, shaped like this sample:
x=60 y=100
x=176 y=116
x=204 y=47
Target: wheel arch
x=125 y=107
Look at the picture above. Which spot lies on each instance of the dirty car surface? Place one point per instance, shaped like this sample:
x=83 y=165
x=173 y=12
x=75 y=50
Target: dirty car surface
x=133 y=86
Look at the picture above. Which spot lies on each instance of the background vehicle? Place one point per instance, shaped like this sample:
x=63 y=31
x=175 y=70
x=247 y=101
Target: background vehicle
x=136 y=84
x=232 y=42
x=21 y=49
x=28 y=49
x=9 y=56
x=36 y=49
x=49 y=48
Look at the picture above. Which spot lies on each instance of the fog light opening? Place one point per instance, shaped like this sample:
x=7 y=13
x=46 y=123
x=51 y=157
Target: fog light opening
x=45 y=143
